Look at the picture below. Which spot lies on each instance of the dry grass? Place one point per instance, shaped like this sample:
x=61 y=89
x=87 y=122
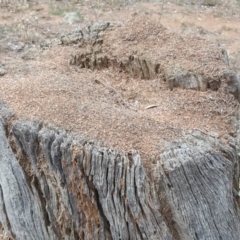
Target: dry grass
x=60 y=8
x=229 y=28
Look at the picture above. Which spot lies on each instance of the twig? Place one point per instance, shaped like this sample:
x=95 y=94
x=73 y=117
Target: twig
x=197 y=129
x=108 y=86
x=171 y=128
x=151 y=106
x=161 y=11
x=232 y=111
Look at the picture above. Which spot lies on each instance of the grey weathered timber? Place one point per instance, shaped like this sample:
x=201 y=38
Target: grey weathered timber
x=56 y=186
x=200 y=191
x=21 y=211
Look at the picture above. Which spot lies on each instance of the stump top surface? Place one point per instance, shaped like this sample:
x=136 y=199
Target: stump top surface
x=45 y=87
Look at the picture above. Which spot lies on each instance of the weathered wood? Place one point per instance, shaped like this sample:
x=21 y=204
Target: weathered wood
x=200 y=191
x=55 y=186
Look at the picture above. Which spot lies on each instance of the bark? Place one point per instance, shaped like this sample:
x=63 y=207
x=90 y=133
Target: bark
x=56 y=186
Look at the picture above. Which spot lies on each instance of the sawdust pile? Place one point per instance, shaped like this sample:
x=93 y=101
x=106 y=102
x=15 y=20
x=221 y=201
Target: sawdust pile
x=142 y=35
x=110 y=106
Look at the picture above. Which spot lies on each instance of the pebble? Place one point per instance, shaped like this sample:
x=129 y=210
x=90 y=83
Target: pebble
x=2 y=72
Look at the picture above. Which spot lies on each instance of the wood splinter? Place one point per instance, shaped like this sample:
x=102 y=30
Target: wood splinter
x=118 y=94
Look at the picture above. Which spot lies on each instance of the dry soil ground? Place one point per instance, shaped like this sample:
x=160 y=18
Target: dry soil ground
x=40 y=84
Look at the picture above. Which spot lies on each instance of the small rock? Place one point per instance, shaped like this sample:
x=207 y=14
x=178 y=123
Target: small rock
x=2 y=72
x=73 y=17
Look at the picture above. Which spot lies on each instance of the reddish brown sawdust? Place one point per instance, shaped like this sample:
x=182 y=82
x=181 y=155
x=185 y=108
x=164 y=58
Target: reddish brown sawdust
x=143 y=36
x=48 y=89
